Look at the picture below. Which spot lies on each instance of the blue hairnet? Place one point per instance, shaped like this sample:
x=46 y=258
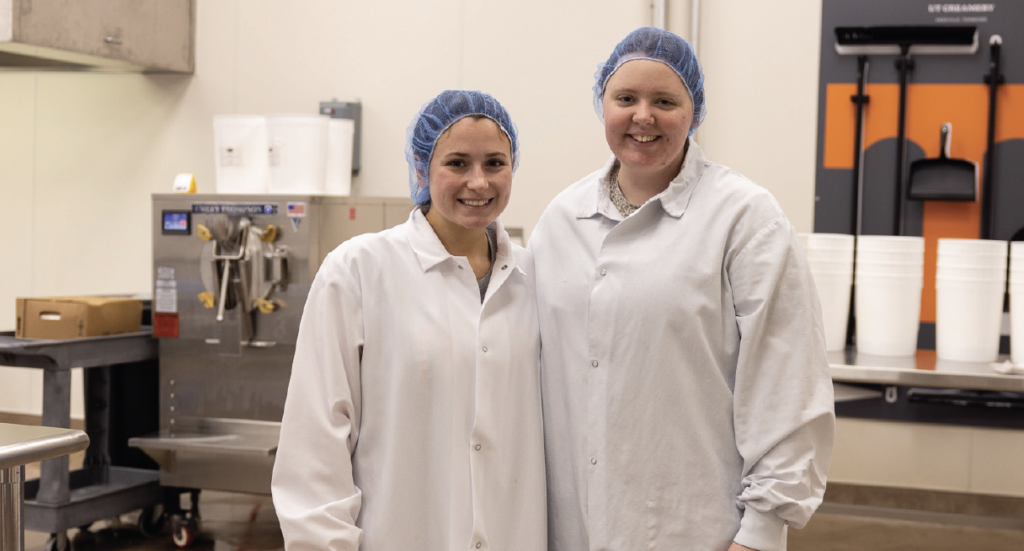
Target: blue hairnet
x=434 y=118
x=656 y=45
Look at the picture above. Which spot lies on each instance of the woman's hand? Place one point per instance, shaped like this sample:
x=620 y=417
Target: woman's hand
x=737 y=547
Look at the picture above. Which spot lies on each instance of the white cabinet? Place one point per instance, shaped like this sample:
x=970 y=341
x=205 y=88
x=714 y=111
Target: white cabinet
x=140 y=35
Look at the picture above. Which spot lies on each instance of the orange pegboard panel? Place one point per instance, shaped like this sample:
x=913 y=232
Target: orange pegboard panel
x=928 y=107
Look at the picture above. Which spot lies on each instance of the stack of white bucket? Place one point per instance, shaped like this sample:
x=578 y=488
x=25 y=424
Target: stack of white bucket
x=294 y=154
x=830 y=258
x=887 y=304
x=1016 y=289
x=970 y=280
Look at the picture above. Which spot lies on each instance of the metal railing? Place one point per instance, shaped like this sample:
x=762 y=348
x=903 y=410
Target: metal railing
x=20 y=445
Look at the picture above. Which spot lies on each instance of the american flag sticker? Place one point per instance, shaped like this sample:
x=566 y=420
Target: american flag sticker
x=296 y=210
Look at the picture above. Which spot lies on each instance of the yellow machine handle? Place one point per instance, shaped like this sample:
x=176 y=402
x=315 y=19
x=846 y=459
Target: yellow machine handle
x=206 y=298
x=265 y=305
x=269 y=234
x=204 y=232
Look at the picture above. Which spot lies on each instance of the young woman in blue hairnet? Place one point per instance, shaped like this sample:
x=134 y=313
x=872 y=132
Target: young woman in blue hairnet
x=687 y=399
x=413 y=418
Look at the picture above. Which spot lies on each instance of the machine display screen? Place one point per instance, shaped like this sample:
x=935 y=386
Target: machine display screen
x=177 y=222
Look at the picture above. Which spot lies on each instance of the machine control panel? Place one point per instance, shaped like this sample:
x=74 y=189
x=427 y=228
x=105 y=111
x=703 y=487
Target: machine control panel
x=176 y=222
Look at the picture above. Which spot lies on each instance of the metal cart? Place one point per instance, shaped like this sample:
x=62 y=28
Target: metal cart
x=60 y=499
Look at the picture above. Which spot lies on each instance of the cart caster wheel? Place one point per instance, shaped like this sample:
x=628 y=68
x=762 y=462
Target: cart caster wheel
x=184 y=534
x=58 y=542
x=152 y=520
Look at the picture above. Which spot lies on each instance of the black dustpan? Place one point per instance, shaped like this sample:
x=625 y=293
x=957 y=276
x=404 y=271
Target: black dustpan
x=943 y=179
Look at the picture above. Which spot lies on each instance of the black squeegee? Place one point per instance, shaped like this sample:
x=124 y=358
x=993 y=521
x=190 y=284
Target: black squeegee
x=921 y=39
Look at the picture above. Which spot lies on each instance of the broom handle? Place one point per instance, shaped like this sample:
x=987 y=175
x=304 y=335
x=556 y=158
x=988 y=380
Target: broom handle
x=904 y=64
x=994 y=79
x=861 y=99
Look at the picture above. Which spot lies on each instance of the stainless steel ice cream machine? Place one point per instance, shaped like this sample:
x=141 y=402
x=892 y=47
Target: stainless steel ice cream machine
x=231 y=275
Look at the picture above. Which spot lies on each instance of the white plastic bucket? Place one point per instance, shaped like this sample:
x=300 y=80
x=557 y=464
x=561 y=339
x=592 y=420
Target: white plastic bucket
x=968 y=318
x=297 y=150
x=834 y=295
x=972 y=246
x=890 y=255
x=830 y=255
x=830 y=258
x=894 y=257
x=981 y=273
x=1017 y=252
x=1016 y=289
x=902 y=243
x=338 y=172
x=888 y=310
x=827 y=241
x=1017 y=321
x=240 y=153
x=891 y=265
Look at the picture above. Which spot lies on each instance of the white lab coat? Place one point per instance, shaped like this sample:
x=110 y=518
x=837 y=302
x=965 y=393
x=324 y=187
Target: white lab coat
x=687 y=399
x=413 y=417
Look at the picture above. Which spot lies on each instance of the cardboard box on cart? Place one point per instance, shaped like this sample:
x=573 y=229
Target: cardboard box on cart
x=77 y=317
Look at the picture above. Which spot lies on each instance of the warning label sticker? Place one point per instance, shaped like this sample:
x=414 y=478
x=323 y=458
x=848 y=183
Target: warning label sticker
x=165 y=296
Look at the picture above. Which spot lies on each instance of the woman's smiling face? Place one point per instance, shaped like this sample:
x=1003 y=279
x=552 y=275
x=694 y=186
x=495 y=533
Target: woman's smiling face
x=647 y=118
x=470 y=174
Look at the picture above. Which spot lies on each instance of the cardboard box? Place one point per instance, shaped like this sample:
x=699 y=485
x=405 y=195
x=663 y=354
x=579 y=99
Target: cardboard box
x=77 y=317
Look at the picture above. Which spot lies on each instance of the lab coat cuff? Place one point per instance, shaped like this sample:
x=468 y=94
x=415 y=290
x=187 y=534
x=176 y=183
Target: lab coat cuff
x=761 y=531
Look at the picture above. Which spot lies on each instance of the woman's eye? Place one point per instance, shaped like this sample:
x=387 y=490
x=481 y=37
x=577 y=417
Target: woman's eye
x=666 y=102
x=495 y=162
x=625 y=99
x=457 y=163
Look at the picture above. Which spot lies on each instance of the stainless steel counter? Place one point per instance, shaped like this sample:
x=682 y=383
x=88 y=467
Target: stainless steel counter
x=22 y=444
x=921 y=370
x=19 y=445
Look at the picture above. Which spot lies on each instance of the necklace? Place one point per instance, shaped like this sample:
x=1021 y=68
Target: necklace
x=624 y=207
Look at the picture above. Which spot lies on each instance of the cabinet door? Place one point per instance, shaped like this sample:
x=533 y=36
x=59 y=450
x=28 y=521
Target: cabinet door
x=155 y=34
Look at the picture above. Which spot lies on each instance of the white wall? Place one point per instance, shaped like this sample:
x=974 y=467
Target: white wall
x=761 y=70
x=80 y=153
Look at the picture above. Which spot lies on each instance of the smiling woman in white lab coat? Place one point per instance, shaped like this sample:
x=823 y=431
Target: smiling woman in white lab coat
x=687 y=400
x=413 y=416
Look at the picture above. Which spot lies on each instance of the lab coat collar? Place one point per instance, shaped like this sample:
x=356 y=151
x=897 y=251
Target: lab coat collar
x=673 y=199
x=430 y=251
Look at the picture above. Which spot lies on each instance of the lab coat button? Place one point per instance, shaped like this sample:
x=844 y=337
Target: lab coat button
x=593 y=363
x=460 y=267
x=603 y=271
x=593 y=461
x=477 y=447
x=504 y=267
x=484 y=349
x=478 y=544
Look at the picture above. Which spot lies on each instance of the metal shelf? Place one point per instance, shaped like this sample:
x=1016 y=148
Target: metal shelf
x=924 y=369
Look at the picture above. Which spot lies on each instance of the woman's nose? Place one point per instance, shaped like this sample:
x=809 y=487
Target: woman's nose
x=643 y=114
x=477 y=178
